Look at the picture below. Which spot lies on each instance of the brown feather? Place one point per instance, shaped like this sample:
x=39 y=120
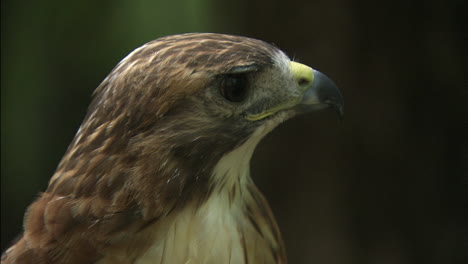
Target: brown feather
x=141 y=155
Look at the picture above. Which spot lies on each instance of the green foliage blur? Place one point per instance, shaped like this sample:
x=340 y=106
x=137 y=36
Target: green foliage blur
x=388 y=184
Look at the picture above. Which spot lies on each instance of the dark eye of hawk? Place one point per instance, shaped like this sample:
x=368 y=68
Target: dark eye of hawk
x=234 y=87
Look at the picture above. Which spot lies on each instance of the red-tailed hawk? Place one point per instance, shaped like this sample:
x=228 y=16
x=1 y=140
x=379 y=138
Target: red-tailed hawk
x=159 y=170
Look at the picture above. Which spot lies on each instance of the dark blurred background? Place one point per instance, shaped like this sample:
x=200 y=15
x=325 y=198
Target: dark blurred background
x=387 y=185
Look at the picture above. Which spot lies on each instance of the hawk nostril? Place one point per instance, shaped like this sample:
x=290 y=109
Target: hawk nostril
x=303 y=82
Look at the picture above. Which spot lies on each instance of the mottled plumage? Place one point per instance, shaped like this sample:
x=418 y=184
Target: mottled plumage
x=159 y=170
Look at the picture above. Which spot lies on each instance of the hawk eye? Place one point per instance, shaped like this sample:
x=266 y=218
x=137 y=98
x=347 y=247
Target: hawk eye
x=234 y=87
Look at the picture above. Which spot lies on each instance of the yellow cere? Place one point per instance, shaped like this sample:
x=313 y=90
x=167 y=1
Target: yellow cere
x=300 y=72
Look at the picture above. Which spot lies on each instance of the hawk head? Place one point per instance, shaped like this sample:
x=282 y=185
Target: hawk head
x=173 y=127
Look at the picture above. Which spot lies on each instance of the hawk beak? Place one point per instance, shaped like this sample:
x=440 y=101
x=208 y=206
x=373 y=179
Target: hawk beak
x=316 y=90
x=319 y=92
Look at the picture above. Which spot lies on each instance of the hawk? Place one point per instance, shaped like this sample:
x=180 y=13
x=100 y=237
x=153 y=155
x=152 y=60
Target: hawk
x=158 y=172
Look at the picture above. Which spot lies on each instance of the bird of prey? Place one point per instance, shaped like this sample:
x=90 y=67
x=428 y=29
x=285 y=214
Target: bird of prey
x=158 y=172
